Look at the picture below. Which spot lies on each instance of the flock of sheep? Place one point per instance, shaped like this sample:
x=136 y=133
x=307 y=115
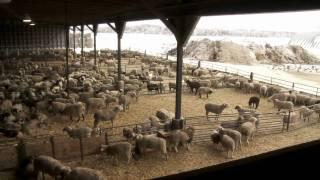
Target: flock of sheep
x=38 y=91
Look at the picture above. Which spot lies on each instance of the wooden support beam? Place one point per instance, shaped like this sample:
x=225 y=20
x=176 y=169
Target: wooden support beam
x=119 y=27
x=182 y=28
x=79 y=29
x=91 y=29
x=95 y=31
x=111 y=26
x=82 y=29
x=74 y=42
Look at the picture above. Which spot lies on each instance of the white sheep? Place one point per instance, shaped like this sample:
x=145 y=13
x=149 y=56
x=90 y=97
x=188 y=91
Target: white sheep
x=177 y=137
x=144 y=142
x=57 y=107
x=6 y=106
x=283 y=105
x=316 y=109
x=242 y=111
x=248 y=129
x=81 y=132
x=234 y=134
x=49 y=165
x=81 y=173
x=164 y=115
x=263 y=90
x=204 y=90
x=226 y=141
x=214 y=108
x=305 y=112
x=95 y=104
x=125 y=101
x=75 y=110
x=121 y=149
x=106 y=116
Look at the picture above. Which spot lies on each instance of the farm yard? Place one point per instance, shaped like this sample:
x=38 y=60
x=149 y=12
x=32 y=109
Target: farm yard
x=38 y=117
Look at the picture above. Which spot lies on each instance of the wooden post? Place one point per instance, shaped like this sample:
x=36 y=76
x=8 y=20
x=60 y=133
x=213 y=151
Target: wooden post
x=81 y=149
x=74 y=42
x=288 y=123
x=95 y=30
x=293 y=86
x=106 y=138
x=119 y=29
x=67 y=56
x=271 y=80
x=82 y=29
x=317 y=92
x=53 y=150
x=182 y=28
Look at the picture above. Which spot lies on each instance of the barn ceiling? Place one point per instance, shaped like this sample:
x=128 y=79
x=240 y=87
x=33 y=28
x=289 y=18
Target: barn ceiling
x=76 y=12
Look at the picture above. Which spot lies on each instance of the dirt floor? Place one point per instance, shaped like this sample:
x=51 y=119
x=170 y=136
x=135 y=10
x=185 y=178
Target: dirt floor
x=201 y=154
x=147 y=105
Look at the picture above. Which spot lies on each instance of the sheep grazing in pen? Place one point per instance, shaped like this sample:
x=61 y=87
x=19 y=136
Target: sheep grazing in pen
x=144 y=142
x=234 y=134
x=242 y=111
x=204 y=90
x=75 y=110
x=288 y=105
x=118 y=150
x=125 y=101
x=254 y=102
x=81 y=173
x=82 y=132
x=50 y=166
x=305 y=113
x=193 y=85
x=226 y=141
x=248 y=129
x=215 y=108
x=106 y=116
x=175 y=138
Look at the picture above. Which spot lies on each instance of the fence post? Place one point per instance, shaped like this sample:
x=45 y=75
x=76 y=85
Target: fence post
x=81 y=148
x=225 y=69
x=22 y=152
x=293 y=86
x=317 y=92
x=106 y=138
x=289 y=118
x=271 y=80
x=53 y=150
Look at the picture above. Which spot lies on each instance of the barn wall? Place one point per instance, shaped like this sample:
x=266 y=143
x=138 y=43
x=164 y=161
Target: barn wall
x=17 y=35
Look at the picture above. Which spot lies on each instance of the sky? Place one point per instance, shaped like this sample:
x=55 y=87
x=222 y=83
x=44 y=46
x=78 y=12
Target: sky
x=301 y=21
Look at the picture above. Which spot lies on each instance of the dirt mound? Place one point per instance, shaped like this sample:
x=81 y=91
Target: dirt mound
x=224 y=51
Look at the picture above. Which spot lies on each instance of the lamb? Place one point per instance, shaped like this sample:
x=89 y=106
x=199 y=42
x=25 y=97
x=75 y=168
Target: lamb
x=6 y=106
x=177 y=137
x=234 y=134
x=121 y=149
x=263 y=91
x=205 y=90
x=106 y=116
x=78 y=109
x=125 y=101
x=242 y=111
x=283 y=104
x=226 y=141
x=190 y=132
x=144 y=142
x=95 y=104
x=293 y=118
x=193 y=85
x=82 y=132
x=57 y=107
x=164 y=115
x=49 y=165
x=80 y=173
x=110 y=99
x=280 y=96
x=248 y=129
x=133 y=94
x=316 y=109
x=214 y=108
x=305 y=113
x=172 y=85
x=128 y=133
x=254 y=101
